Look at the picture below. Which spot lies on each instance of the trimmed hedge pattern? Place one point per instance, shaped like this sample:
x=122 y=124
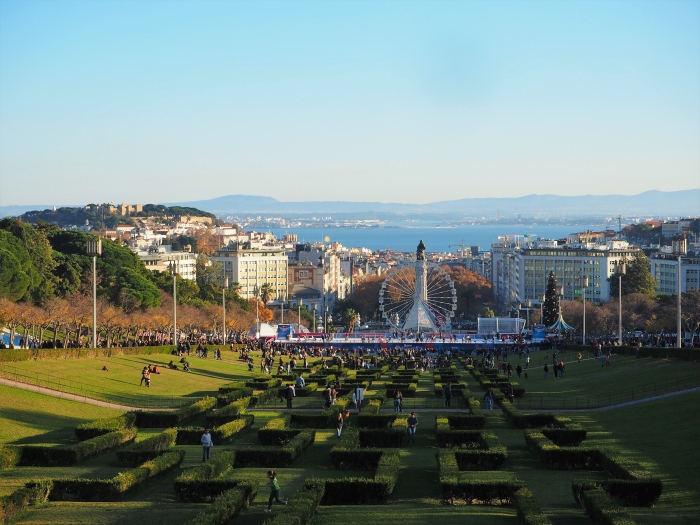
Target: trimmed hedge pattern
x=77 y=489
x=529 y=512
x=202 y=484
x=147 y=449
x=193 y=435
x=227 y=506
x=20 y=499
x=162 y=419
x=273 y=457
x=62 y=456
x=604 y=510
x=104 y=426
x=301 y=506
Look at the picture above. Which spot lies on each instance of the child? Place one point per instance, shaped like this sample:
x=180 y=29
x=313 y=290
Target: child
x=274 y=490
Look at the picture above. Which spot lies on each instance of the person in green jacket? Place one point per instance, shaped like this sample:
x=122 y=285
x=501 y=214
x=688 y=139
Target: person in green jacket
x=274 y=490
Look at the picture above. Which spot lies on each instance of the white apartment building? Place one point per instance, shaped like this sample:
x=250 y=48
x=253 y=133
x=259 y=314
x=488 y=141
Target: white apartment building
x=251 y=264
x=160 y=258
x=664 y=268
x=521 y=272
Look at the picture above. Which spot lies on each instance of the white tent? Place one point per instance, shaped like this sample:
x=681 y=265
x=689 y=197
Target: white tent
x=266 y=330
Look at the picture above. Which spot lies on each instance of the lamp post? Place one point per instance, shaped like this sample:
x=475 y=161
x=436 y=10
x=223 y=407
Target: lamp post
x=584 y=287
x=679 y=245
x=325 y=319
x=256 y=292
x=223 y=304
x=173 y=272
x=299 y=322
x=94 y=248
x=542 y=299
x=314 y=316
x=620 y=270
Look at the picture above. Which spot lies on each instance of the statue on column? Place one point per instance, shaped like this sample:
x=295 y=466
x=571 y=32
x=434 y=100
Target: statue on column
x=420 y=251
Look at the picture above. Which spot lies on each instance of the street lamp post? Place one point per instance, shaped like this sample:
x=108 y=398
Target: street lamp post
x=679 y=244
x=325 y=319
x=314 y=316
x=223 y=304
x=94 y=248
x=299 y=305
x=173 y=272
x=620 y=270
x=256 y=292
x=584 y=287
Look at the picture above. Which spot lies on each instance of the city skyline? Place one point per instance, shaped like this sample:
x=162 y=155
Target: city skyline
x=411 y=102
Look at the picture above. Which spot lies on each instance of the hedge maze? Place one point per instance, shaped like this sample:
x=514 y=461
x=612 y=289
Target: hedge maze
x=368 y=466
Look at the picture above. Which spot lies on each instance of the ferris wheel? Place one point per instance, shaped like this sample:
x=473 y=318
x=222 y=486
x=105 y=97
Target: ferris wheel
x=415 y=297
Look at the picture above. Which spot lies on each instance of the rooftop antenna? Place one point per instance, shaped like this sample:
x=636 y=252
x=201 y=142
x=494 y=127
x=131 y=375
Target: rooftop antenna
x=619 y=227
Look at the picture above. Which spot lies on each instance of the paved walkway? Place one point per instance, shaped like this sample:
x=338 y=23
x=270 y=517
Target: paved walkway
x=73 y=397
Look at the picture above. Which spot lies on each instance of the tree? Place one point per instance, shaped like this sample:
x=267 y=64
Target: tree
x=349 y=318
x=473 y=290
x=135 y=291
x=365 y=297
x=550 y=312
x=637 y=279
x=487 y=312
x=266 y=293
x=16 y=271
x=690 y=312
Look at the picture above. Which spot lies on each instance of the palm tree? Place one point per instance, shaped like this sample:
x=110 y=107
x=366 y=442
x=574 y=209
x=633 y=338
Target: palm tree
x=349 y=318
x=266 y=293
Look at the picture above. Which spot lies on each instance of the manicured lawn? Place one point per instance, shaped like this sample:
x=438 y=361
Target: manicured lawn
x=124 y=375
x=663 y=435
x=589 y=382
x=28 y=417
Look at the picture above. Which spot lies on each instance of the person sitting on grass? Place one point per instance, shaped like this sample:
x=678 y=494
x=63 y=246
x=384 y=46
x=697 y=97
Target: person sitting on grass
x=185 y=367
x=172 y=366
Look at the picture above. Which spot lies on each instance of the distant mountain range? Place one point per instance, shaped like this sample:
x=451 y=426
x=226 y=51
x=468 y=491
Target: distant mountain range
x=656 y=203
x=650 y=203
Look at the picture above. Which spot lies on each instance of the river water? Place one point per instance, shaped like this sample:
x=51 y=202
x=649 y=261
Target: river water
x=437 y=239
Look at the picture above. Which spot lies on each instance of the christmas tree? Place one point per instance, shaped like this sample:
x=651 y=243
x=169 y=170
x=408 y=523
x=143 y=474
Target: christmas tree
x=550 y=311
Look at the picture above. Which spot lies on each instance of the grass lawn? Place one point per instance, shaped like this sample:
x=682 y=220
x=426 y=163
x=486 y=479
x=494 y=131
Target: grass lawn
x=588 y=380
x=28 y=417
x=663 y=436
x=124 y=375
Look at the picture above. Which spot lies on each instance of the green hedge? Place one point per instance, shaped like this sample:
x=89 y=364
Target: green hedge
x=193 y=435
x=563 y=458
x=234 y=395
x=104 y=426
x=490 y=456
x=15 y=503
x=10 y=456
x=203 y=484
x=263 y=384
x=262 y=397
x=7 y=356
x=147 y=449
x=276 y=432
x=603 y=510
x=228 y=413
x=161 y=419
x=77 y=489
x=232 y=387
x=529 y=512
x=227 y=505
x=385 y=438
x=301 y=506
x=562 y=430
x=409 y=391
x=275 y=457
x=63 y=456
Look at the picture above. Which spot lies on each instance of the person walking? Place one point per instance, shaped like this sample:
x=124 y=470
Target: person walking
x=398 y=398
x=144 y=372
x=527 y=361
x=519 y=370
x=274 y=490
x=546 y=370
x=412 y=424
x=339 y=423
x=207 y=443
x=289 y=394
x=488 y=398
x=447 y=393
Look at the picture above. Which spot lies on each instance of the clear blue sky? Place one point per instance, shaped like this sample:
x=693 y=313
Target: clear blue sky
x=150 y=101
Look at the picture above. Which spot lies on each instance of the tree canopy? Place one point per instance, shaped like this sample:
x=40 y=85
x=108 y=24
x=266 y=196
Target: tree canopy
x=637 y=279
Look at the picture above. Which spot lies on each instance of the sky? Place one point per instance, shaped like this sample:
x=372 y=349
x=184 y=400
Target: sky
x=415 y=102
